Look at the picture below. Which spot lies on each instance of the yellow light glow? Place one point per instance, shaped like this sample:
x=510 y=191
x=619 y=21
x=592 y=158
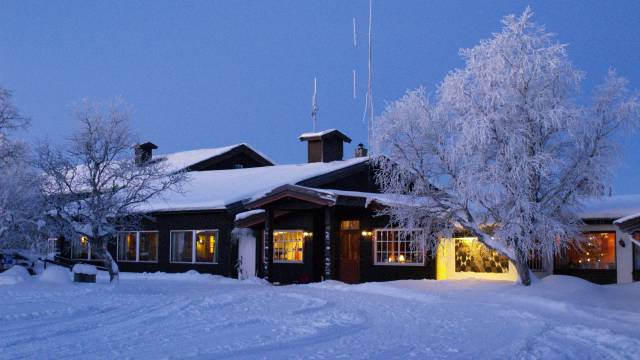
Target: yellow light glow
x=84 y=240
x=367 y=233
x=212 y=242
x=401 y=258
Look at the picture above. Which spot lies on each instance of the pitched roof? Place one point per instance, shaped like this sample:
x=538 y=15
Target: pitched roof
x=212 y=190
x=181 y=160
x=610 y=207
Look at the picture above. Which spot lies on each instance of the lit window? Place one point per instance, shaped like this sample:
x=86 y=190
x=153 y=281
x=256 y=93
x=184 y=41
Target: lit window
x=194 y=246
x=350 y=225
x=84 y=250
x=474 y=256
x=397 y=247
x=288 y=245
x=598 y=252
x=138 y=246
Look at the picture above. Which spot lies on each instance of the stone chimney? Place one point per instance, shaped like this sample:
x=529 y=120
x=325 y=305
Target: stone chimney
x=144 y=152
x=361 y=151
x=325 y=146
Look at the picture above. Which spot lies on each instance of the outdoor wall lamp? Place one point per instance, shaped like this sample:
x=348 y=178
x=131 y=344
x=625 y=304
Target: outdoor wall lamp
x=367 y=233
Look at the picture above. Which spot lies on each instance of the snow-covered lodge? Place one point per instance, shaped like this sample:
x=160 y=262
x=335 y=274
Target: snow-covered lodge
x=243 y=215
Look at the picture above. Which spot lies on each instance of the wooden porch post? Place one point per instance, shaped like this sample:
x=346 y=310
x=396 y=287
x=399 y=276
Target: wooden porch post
x=328 y=240
x=267 y=242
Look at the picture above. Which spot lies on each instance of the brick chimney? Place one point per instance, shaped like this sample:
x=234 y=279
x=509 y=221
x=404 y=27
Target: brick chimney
x=144 y=152
x=325 y=146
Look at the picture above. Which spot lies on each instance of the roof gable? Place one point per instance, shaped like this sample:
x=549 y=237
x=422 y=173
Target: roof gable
x=207 y=159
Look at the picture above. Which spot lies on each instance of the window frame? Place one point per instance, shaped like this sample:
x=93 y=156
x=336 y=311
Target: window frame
x=273 y=247
x=137 y=260
x=374 y=239
x=193 y=247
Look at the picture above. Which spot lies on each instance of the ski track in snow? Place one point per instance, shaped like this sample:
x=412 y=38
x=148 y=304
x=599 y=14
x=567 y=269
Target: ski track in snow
x=202 y=317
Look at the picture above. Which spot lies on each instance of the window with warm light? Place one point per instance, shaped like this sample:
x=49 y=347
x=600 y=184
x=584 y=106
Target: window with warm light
x=597 y=252
x=194 y=246
x=397 y=247
x=473 y=256
x=137 y=246
x=350 y=225
x=288 y=245
x=84 y=250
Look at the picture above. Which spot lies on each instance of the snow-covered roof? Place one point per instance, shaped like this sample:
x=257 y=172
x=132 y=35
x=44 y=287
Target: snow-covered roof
x=320 y=134
x=210 y=190
x=378 y=198
x=627 y=218
x=248 y=214
x=183 y=159
x=610 y=207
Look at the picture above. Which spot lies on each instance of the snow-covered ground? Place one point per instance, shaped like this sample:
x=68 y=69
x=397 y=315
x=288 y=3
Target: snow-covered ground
x=200 y=316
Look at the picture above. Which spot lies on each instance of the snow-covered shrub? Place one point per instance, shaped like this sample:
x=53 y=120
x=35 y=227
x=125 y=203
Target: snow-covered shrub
x=14 y=275
x=56 y=274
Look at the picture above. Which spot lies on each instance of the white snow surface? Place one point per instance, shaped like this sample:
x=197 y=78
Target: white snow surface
x=210 y=190
x=150 y=316
x=183 y=159
x=247 y=214
x=15 y=274
x=84 y=269
x=610 y=207
x=316 y=134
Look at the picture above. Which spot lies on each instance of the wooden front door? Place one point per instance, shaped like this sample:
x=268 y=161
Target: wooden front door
x=350 y=256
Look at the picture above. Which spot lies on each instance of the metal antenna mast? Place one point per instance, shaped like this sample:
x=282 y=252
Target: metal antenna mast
x=314 y=104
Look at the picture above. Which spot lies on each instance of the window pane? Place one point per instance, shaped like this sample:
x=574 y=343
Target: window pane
x=288 y=246
x=206 y=246
x=597 y=253
x=127 y=246
x=474 y=256
x=181 y=246
x=148 y=246
x=350 y=225
x=397 y=247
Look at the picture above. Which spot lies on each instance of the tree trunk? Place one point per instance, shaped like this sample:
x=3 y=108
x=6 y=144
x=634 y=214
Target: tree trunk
x=109 y=263
x=523 y=268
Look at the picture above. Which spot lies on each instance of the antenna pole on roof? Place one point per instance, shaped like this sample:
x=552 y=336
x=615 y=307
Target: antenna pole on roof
x=314 y=104
x=369 y=82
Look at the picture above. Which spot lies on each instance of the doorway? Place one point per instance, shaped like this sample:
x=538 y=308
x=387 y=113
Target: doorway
x=350 y=251
x=246 y=264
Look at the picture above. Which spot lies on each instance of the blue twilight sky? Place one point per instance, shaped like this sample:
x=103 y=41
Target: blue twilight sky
x=211 y=73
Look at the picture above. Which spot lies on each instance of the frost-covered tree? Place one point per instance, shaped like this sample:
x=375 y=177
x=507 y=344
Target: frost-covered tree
x=93 y=185
x=505 y=151
x=20 y=201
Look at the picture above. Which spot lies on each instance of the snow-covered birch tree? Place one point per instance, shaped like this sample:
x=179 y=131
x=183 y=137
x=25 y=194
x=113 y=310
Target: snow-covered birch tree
x=505 y=151
x=93 y=185
x=21 y=209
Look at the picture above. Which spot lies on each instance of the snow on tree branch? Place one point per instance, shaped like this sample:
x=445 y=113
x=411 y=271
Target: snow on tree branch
x=505 y=152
